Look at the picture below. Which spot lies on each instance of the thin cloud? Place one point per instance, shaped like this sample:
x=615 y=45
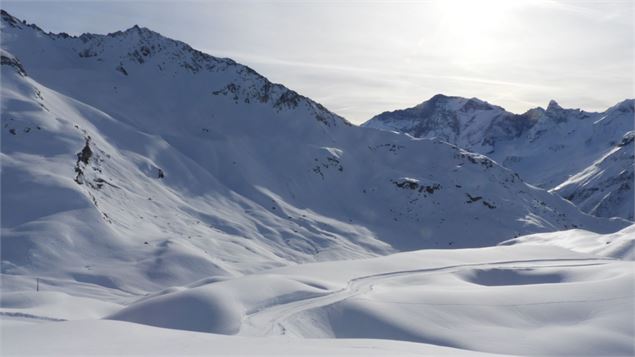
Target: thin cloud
x=363 y=57
x=250 y=58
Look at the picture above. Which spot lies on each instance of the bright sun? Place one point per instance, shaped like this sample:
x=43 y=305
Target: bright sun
x=471 y=26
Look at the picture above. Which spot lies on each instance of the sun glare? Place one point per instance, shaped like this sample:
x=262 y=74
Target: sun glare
x=471 y=27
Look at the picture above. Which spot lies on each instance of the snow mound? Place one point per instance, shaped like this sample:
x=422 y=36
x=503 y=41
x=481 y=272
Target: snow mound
x=538 y=293
x=619 y=245
x=192 y=310
x=545 y=300
x=561 y=304
x=218 y=306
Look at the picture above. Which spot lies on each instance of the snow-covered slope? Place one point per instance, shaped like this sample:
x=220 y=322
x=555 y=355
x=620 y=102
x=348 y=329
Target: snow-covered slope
x=606 y=187
x=531 y=298
x=96 y=337
x=618 y=245
x=546 y=147
x=135 y=162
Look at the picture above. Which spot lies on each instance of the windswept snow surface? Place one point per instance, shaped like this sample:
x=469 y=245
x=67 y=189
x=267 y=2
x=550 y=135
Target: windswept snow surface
x=530 y=298
x=115 y=338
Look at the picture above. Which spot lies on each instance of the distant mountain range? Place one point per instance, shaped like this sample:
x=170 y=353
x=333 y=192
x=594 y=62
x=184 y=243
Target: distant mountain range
x=586 y=157
x=136 y=162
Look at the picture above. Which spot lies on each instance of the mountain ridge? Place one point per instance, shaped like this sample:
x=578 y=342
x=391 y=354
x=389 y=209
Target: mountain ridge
x=545 y=146
x=144 y=45
x=167 y=174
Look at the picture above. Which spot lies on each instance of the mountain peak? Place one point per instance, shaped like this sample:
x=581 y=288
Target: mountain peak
x=136 y=31
x=441 y=100
x=457 y=103
x=144 y=31
x=12 y=21
x=434 y=101
x=438 y=97
x=8 y=17
x=553 y=105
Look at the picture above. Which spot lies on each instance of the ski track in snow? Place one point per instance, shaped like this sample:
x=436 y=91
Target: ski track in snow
x=269 y=320
x=29 y=316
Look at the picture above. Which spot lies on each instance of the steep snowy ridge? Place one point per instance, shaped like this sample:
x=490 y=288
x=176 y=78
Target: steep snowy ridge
x=139 y=52
x=545 y=146
x=606 y=186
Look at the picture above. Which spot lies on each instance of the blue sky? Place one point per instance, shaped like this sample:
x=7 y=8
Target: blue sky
x=360 y=58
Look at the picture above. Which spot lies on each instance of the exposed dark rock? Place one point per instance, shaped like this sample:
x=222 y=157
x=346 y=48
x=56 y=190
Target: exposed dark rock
x=82 y=157
x=288 y=99
x=488 y=205
x=86 y=152
x=121 y=69
x=13 y=62
x=472 y=199
x=415 y=185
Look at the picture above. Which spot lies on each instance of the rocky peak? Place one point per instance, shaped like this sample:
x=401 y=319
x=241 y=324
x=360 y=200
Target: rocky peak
x=12 y=21
x=554 y=106
x=438 y=98
x=137 y=31
x=9 y=19
x=442 y=101
x=124 y=51
x=477 y=104
x=559 y=114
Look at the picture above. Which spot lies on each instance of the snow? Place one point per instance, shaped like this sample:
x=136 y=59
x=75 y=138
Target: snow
x=98 y=337
x=619 y=245
x=548 y=148
x=544 y=299
x=605 y=187
x=158 y=200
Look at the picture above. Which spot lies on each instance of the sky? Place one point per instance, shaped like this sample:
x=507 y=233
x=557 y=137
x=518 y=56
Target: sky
x=361 y=58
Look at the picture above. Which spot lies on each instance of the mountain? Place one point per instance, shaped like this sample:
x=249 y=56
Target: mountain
x=546 y=147
x=464 y=122
x=604 y=188
x=134 y=162
x=158 y=200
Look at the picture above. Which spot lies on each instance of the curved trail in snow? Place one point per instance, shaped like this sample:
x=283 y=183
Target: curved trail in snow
x=269 y=320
